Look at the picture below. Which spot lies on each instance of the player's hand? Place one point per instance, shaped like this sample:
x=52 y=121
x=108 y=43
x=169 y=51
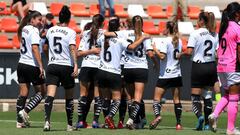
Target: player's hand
x=96 y=50
x=75 y=71
x=41 y=75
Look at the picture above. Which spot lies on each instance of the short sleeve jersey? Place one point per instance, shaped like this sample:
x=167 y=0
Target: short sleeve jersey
x=170 y=66
x=227 y=51
x=59 y=40
x=90 y=60
x=136 y=58
x=204 y=46
x=30 y=36
x=111 y=56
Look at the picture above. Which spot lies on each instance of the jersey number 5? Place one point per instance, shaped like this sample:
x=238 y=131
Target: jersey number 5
x=57 y=45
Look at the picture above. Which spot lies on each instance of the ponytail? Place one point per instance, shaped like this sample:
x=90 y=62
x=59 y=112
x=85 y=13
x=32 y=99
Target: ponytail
x=25 y=21
x=97 y=22
x=223 y=24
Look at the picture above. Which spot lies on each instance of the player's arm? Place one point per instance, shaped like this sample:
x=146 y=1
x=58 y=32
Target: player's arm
x=73 y=52
x=238 y=51
x=45 y=48
x=138 y=42
x=110 y=34
x=93 y=50
x=37 y=56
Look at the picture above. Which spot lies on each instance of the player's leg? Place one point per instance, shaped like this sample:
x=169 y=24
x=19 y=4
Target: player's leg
x=177 y=107
x=157 y=106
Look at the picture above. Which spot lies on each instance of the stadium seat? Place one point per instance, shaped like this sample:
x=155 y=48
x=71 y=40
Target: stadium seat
x=155 y=11
x=5 y=44
x=15 y=42
x=218 y=23
x=9 y=25
x=93 y=9
x=193 y=12
x=184 y=43
x=161 y=26
x=136 y=9
x=185 y=28
x=54 y=21
x=83 y=23
x=73 y=25
x=40 y=7
x=148 y=27
x=77 y=40
x=105 y=24
x=215 y=10
x=3 y=9
x=169 y=11
x=79 y=9
x=119 y=10
x=56 y=7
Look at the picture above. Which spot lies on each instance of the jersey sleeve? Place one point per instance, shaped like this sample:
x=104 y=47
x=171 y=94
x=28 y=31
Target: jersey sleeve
x=162 y=47
x=148 y=44
x=35 y=38
x=83 y=42
x=180 y=45
x=191 y=41
x=121 y=34
x=72 y=40
x=124 y=43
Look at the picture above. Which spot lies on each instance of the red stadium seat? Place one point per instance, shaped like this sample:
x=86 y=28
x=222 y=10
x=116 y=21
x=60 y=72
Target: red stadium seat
x=155 y=11
x=105 y=24
x=95 y=9
x=161 y=26
x=15 y=42
x=77 y=40
x=3 y=9
x=9 y=25
x=169 y=11
x=56 y=7
x=79 y=9
x=5 y=44
x=218 y=23
x=193 y=12
x=184 y=44
x=119 y=10
x=148 y=27
x=73 y=25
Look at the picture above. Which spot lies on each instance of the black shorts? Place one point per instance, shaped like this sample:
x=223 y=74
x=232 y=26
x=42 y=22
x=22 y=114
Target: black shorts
x=135 y=75
x=88 y=74
x=109 y=80
x=57 y=74
x=169 y=83
x=29 y=74
x=203 y=74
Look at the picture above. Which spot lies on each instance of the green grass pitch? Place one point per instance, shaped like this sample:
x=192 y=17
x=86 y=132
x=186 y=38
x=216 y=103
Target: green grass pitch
x=166 y=127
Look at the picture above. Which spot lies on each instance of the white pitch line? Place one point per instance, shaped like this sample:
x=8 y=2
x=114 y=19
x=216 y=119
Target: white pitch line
x=13 y=121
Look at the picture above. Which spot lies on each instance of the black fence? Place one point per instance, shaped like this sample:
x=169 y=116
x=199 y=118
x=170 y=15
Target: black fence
x=9 y=85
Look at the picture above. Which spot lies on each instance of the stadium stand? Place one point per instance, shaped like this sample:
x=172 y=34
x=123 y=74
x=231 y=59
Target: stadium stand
x=193 y=12
x=148 y=27
x=136 y=9
x=156 y=11
x=55 y=8
x=9 y=25
x=119 y=10
x=5 y=44
x=40 y=7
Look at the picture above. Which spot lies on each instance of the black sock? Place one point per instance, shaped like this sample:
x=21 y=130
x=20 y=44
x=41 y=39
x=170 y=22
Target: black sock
x=48 y=107
x=142 y=110
x=21 y=100
x=97 y=108
x=106 y=107
x=134 y=110
x=208 y=108
x=114 y=108
x=196 y=105
x=34 y=101
x=88 y=106
x=178 y=112
x=69 y=110
x=82 y=103
x=122 y=109
x=157 y=108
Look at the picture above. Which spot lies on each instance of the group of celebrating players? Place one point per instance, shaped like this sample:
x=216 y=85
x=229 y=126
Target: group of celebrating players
x=117 y=58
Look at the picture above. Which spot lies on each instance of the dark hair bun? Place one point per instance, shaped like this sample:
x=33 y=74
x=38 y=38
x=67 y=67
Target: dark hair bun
x=64 y=15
